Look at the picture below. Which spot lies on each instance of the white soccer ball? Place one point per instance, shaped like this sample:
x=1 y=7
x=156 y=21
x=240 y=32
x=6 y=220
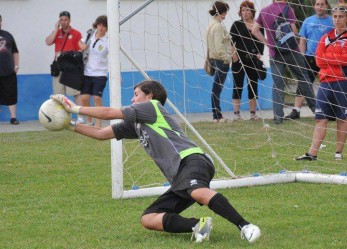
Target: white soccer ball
x=53 y=116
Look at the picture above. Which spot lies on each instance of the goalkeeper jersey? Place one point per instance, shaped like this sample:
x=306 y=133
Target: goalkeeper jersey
x=159 y=134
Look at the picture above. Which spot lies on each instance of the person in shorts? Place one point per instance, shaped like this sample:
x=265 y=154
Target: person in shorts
x=9 y=61
x=186 y=167
x=95 y=46
x=331 y=58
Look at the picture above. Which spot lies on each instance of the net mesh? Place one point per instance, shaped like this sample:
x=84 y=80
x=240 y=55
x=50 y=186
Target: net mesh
x=167 y=40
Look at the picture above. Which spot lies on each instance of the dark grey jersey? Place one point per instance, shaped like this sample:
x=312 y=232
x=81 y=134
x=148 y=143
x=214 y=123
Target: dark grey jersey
x=159 y=134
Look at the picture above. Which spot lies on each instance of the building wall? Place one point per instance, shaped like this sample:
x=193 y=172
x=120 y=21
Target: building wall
x=31 y=21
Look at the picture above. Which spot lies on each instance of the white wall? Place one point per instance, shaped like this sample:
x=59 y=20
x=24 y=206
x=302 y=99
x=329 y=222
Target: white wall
x=151 y=36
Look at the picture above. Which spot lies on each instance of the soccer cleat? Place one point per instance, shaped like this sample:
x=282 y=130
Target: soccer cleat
x=307 y=157
x=293 y=115
x=250 y=232
x=338 y=156
x=202 y=229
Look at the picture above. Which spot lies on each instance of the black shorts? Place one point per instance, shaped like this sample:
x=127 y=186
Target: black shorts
x=8 y=90
x=196 y=171
x=94 y=85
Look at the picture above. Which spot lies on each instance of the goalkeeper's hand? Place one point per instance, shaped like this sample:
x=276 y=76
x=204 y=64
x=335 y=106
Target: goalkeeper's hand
x=66 y=103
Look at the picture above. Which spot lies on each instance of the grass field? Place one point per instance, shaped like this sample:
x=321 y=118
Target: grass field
x=55 y=192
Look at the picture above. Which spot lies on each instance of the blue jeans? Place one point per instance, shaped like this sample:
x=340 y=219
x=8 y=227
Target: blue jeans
x=218 y=82
x=296 y=63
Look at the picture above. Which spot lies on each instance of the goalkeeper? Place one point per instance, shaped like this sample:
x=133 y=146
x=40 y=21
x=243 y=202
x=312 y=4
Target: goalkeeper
x=188 y=169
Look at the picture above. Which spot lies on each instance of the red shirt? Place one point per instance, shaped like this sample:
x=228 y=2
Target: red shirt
x=331 y=57
x=72 y=39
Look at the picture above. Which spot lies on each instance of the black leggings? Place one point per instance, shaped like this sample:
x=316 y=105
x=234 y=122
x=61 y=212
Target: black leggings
x=239 y=71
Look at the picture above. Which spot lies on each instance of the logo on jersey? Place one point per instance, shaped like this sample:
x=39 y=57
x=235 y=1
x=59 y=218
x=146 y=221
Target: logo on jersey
x=2 y=43
x=193 y=182
x=144 y=138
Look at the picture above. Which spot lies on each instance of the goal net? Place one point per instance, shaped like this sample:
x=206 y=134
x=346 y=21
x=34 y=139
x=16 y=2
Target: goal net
x=165 y=41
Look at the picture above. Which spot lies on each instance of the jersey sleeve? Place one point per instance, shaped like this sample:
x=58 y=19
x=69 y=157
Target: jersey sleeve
x=140 y=113
x=291 y=15
x=124 y=130
x=14 y=46
x=320 y=51
x=303 y=30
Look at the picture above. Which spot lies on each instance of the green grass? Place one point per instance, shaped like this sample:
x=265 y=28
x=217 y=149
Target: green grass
x=55 y=192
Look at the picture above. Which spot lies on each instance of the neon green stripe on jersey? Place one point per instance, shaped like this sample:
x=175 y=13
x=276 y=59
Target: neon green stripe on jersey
x=195 y=150
x=161 y=122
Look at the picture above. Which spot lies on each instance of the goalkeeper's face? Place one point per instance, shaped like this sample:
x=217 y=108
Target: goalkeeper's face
x=140 y=96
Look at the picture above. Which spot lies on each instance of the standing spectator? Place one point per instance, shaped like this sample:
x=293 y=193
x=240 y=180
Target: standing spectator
x=96 y=64
x=65 y=38
x=331 y=57
x=280 y=60
x=312 y=30
x=9 y=61
x=249 y=51
x=219 y=49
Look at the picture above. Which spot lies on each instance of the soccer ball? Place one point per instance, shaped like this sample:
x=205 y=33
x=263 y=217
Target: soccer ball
x=53 y=116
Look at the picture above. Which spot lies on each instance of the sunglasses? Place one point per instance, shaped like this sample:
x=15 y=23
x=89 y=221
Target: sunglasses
x=64 y=13
x=342 y=9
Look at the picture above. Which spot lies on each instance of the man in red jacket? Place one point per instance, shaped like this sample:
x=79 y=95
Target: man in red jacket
x=331 y=58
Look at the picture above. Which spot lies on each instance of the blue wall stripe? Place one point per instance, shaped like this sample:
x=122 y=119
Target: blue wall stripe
x=34 y=89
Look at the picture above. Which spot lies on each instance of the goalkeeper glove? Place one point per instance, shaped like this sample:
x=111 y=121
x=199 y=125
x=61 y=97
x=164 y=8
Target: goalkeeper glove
x=66 y=103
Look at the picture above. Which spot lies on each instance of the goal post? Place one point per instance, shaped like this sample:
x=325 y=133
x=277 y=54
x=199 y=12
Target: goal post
x=115 y=97
x=115 y=94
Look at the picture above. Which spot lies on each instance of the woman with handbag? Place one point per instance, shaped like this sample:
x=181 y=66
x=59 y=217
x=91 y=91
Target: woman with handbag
x=247 y=60
x=219 y=52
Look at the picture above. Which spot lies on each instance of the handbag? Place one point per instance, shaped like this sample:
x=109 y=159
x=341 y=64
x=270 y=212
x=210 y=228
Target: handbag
x=72 y=69
x=207 y=66
x=261 y=70
x=55 y=69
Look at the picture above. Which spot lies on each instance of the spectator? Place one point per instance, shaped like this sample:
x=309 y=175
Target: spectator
x=280 y=60
x=249 y=51
x=312 y=29
x=219 y=49
x=95 y=46
x=65 y=38
x=331 y=57
x=9 y=61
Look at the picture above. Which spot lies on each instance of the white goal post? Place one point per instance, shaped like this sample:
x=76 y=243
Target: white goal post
x=115 y=50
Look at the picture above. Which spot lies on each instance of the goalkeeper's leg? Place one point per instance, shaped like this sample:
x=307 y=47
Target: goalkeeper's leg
x=163 y=214
x=221 y=206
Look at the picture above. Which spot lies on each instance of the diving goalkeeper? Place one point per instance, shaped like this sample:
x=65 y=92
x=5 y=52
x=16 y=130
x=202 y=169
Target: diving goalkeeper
x=187 y=168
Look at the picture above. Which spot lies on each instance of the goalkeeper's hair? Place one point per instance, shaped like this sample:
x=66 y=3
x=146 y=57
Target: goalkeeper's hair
x=155 y=88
